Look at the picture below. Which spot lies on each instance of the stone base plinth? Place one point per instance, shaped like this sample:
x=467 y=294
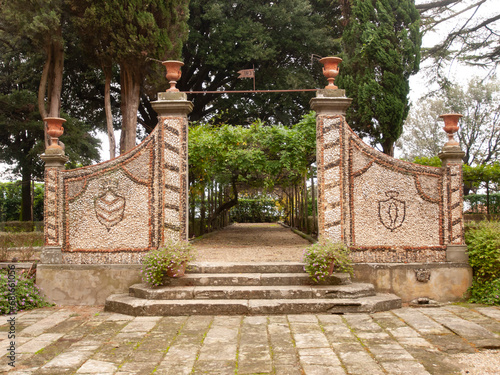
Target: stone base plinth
x=443 y=282
x=51 y=255
x=457 y=253
x=82 y=284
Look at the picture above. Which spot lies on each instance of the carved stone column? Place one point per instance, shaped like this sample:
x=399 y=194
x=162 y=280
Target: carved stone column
x=54 y=159
x=173 y=109
x=451 y=157
x=330 y=106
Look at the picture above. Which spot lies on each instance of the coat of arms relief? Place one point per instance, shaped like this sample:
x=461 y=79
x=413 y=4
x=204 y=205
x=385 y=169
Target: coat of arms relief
x=109 y=206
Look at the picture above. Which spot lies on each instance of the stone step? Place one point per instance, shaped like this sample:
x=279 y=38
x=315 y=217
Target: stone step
x=126 y=304
x=252 y=279
x=265 y=267
x=354 y=290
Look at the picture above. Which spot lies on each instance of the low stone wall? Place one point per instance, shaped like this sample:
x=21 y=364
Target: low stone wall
x=442 y=282
x=72 y=284
x=80 y=284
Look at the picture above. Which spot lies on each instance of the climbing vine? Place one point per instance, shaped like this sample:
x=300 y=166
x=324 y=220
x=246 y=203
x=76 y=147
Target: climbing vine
x=225 y=161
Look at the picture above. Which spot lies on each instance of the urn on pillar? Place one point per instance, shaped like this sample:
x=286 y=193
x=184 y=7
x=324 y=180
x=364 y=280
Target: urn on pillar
x=54 y=130
x=173 y=73
x=330 y=70
x=451 y=127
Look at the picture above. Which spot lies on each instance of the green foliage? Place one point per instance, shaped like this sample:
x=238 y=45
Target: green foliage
x=278 y=38
x=477 y=203
x=156 y=263
x=10 y=201
x=20 y=239
x=479 y=133
x=483 y=243
x=319 y=257
x=482 y=174
x=27 y=294
x=255 y=210
x=424 y=160
x=381 y=49
x=257 y=155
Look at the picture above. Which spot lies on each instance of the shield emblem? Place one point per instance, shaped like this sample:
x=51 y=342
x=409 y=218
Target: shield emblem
x=392 y=211
x=109 y=208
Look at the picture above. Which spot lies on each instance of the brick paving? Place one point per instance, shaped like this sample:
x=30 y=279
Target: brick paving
x=451 y=339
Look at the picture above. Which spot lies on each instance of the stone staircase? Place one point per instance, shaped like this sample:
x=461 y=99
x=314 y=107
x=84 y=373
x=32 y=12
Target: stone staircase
x=250 y=289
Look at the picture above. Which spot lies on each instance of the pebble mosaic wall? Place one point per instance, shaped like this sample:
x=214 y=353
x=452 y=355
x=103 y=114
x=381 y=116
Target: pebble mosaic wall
x=116 y=211
x=385 y=209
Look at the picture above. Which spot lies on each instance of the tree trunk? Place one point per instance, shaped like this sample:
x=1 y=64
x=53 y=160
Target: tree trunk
x=202 y=211
x=26 y=212
x=306 y=211
x=313 y=203
x=109 y=115
x=388 y=147
x=50 y=87
x=130 y=80
x=55 y=85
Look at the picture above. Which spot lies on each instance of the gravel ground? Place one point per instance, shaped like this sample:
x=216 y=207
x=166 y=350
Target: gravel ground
x=255 y=242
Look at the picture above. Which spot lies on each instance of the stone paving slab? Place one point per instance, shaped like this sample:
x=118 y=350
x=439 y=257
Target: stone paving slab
x=412 y=341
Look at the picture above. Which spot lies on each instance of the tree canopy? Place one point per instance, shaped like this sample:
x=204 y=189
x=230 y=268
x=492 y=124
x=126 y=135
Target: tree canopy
x=278 y=38
x=464 y=30
x=381 y=49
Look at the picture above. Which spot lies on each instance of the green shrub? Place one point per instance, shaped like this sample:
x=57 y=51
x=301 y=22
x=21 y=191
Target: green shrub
x=21 y=226
x=319 y=257
x=29 y=239
x=27 y=294
x=483 y=243
x=156 y=262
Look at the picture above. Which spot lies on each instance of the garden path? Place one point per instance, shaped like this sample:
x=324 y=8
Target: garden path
x=251 y=242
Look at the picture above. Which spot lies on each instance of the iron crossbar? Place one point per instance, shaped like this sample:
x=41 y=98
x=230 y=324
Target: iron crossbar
x=246 y=91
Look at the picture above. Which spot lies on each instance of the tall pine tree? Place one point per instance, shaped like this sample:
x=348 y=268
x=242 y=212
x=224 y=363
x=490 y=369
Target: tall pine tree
x=381 y=49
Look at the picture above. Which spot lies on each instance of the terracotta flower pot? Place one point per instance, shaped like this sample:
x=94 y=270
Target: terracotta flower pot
x=54 y=130
x=330 y=70
x=178 y=270
x=173 y=73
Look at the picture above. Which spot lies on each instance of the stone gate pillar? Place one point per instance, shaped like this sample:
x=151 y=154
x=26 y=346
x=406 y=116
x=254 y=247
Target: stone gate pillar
x=54 y=159
x=172 y=109
x=451 y=157
x=330 y=106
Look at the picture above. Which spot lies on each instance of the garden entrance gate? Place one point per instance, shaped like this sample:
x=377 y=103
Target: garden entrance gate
x=388 y=211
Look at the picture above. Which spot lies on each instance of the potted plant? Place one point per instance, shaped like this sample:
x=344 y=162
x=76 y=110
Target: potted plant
x=325 y=257
x=171 y=260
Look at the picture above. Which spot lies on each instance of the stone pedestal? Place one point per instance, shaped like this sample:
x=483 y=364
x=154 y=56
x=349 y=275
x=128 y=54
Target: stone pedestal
x=330 y=107
x=54 y=160
x=51 y=255
x=173 y=109
x=451 y=157
x=457 y=254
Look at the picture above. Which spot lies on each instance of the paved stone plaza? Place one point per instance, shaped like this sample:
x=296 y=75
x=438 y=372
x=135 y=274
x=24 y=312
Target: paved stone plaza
x=452 y=339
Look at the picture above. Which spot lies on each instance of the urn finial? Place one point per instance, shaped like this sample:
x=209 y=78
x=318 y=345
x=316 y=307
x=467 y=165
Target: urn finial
x=173 y=73
x=54 y=130
x=330 y=70
x=451 y=127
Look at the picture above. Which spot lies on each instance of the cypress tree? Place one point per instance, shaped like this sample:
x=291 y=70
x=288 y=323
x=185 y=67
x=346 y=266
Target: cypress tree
x=381 y=49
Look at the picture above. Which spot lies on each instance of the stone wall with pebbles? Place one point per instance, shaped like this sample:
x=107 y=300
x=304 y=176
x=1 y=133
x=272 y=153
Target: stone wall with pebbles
x=115 y=212
x=385 y=209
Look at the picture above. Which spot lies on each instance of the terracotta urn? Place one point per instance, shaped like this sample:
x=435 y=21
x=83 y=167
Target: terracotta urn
x=54 y=130
x=451 y=127
x=330 y=70
x=173 y=73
